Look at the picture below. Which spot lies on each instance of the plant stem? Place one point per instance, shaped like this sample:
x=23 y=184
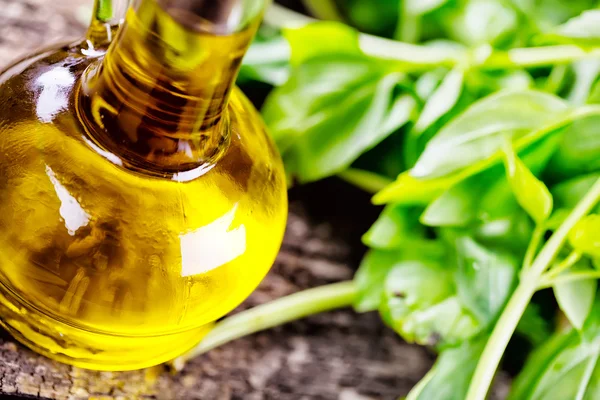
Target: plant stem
x=507 y=323
x=104 y=10
x=534 y=244
x=425 y=57
x=275 y=313
x=408 y=28
x=366 y=180
x=565 y=264
x=547 y=281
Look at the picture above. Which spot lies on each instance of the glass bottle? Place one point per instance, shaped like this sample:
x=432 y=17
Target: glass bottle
x=140 y=197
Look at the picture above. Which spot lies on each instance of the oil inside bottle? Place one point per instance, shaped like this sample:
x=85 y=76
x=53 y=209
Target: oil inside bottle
x=140 y=197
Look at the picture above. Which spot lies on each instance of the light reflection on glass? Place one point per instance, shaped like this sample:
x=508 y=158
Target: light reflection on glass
x=212 y=246
x=70 y=210
x=55 y=85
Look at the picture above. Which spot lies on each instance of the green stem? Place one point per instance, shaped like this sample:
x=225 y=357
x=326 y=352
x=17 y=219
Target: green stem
x=548 y=281
x=275 y=313
x=534 y=244
x=368 y=181
x=508 y=321
x=418 y=57
x=565 y=264
x=103 y=10
x=408 y=28
x=556 y=80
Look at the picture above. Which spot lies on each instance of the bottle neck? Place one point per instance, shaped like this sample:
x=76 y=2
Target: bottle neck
x=107 y=16
x=160 y=94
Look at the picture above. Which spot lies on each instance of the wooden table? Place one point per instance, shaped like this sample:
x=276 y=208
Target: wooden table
x=339 y=355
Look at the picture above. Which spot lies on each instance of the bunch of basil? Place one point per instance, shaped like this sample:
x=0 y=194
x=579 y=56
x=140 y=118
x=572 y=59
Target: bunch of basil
x=477 y=124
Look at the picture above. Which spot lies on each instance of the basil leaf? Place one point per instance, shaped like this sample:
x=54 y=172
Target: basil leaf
x=307 y=42
x=442 y=100
x=568 y=193
x=332 y=110
x=585 y=236
x=512 y=232
x=583 y=30
x=377 y=264
x=479 y=131
x=539 y=361
x=408 y=190
x=579 y=150
x=565 y=368
x=420 y=7
x=487 y=195
x=483 y=21
x=485 y=278
x=458 y=205
x=421 y=304
x=586 y=74
x=576 y=299
x=267 y=60
x=450 y=376
x=370 y=276
x=533 y=326
x=531 y=193
x=366 y=180
x=394 y=228
x=372 y=16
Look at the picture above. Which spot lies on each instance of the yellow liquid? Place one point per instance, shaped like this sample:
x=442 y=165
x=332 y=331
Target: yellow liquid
x=118 y=255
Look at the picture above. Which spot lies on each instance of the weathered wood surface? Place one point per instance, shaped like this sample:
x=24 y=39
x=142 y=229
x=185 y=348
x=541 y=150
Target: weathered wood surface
x=338 y=355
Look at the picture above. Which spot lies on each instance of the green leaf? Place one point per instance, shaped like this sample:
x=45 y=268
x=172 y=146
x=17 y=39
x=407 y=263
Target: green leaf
x=535 y=368
x=420 y=7
x=533 y=326
x=483 y=21
x=320 y=38
x=431 y=188
x=487 y=195
x=583 y=30
x=531 y=193
x=485 y=278
x=370 y=277
x=566 y=367
x=585 y=236
x=408 y=190
x=396 y=227
x=332 y=110
x=586 y=74
x=567 y=194
x=442 y=100
x=377 y=264
x=579 y=150
x=572 y=374
x=421 y=304
x=500 y=201
x=366 y=180
x=512 y=232
x=458 y=205
x=576 y=299
x=480 y=131
x=371 y=16
x=450 y=376
x=267 y=61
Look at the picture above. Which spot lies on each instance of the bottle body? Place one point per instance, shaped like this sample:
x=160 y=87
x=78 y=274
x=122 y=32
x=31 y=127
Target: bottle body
x=108 y=264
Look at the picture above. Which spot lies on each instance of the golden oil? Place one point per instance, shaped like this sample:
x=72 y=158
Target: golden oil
x=140 y=197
